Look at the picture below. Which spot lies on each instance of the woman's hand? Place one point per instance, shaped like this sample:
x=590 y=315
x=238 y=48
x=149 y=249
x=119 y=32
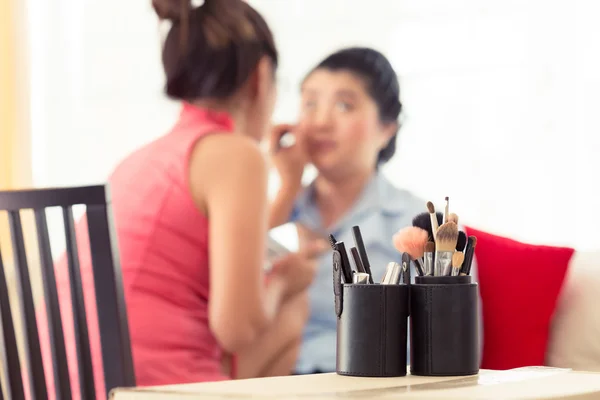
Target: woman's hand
x=297 y=270
x=289 y=161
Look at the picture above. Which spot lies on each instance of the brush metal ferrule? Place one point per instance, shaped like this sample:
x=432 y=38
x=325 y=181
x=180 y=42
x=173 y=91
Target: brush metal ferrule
x=455 y=271
x=443 y=263
x=360 y=277
x=428 y=268
x=386 y=275
x=392 y=272
x=395 y=278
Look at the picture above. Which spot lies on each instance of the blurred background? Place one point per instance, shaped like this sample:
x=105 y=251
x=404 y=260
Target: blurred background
x=501 y=97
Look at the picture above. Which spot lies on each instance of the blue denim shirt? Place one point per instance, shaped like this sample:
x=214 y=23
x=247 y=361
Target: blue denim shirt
x=381 y=211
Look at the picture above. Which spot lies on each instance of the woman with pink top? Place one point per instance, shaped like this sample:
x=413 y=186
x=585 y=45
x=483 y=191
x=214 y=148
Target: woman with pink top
x=191 y=214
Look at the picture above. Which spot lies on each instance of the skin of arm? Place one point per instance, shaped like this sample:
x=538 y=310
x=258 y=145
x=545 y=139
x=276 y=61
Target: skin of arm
x=228 y=181
x=283 y=205
x=289 y=163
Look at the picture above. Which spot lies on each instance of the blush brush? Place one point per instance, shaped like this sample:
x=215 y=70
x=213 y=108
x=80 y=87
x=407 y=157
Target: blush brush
x=412 y=240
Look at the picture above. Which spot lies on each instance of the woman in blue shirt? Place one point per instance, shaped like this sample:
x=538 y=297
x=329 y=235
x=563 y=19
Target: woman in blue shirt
x=347 y=129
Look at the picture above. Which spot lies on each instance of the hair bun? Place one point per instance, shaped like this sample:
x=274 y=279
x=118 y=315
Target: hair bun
x=170 y=9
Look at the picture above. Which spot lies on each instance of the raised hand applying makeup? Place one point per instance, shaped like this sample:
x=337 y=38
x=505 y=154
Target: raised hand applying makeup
x=435 y=243
x=288 y=153
x=282 y=137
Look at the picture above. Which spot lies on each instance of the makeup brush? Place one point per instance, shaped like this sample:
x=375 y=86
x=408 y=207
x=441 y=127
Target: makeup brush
x=411 y=240
x=396 y=274
x=469 y=253
x=446 y=208
x=428 y=258
x=332 y=242
x=345 y=262
x=362 y=251
x=392 y=273
x=462 y=241
x=423 y=221
x=360 y=278
x=406 y=269
x=452 y=217
x=457 y=261
x=357 y=261
x=434 y=221
x=445 y=243
x=287 y=140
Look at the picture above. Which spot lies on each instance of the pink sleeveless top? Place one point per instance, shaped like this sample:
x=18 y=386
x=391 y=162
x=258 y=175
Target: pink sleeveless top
x=163 y=243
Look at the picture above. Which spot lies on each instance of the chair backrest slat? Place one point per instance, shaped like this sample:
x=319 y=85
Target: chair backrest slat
x=82 y=341
x=110 y=302
x=15 y=200
x=12 y=363
x=35 y=367
x=55 y=328
x=114 y=328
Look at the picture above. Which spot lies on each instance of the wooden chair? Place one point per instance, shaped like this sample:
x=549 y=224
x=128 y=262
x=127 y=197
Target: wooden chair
x=112 y=316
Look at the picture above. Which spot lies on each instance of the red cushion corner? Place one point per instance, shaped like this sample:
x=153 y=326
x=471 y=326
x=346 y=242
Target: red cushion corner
x=519 y=284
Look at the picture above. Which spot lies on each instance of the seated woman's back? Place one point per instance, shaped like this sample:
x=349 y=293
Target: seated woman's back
x=163 y=243
x=163 y=249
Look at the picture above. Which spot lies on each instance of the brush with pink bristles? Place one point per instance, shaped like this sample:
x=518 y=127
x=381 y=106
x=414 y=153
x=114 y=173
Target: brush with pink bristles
x=412 y=240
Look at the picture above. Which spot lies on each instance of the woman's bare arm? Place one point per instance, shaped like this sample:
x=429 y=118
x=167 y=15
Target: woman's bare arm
x=228 y=179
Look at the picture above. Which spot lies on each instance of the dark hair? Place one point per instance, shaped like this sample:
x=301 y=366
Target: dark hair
x=211 y=50
x=381 y=83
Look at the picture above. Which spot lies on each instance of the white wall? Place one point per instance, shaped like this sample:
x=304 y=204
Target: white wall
x=97 y=84
x=500 y=97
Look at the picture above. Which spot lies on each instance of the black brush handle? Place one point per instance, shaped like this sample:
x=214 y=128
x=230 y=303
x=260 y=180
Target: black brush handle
x=461 y=243
x=358 y=240
x=420 y=271
x=332 y=242
x=469 y=253
x=346 y=266
x=406 y=276
x=338 y=285
x=356 y=257
x=406 y=273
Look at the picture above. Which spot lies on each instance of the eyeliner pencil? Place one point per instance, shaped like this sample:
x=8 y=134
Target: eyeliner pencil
x=362 y=251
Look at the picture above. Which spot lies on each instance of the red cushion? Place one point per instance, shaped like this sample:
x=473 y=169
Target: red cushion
x=519 y=285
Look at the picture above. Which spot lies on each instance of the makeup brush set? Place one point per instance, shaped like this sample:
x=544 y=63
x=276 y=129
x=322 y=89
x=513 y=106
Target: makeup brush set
x=358 y=269
x=442 y=303
x=436 y=245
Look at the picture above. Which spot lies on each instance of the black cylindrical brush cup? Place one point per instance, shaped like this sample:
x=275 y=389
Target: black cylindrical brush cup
x=372 y=329
x=444 y=326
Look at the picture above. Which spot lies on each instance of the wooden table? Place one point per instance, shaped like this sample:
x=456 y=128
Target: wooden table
x=523 y=383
